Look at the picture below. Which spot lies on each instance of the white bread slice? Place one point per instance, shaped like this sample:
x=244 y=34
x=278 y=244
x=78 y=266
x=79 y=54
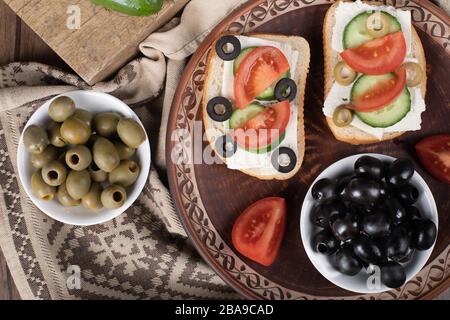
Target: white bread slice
x=351 y=134
x=213 y=85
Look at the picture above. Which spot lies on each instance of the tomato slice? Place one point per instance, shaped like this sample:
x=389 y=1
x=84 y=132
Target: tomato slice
x=381 y=94
x=378 y=56
x=264 y=128
x=434 y=153
x=259 y=230
x=257 y=72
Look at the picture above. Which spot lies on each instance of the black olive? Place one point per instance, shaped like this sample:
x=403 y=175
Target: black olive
x=395 y=210
x=347 y=262
x=323 y=189
x=393 y=274
x=407 y=193
x=285 y=89
x=342 y=183
x=376 y=224
x=325 y=243
x=326 y=211
x=412 y=213
x=363 y=191
x=219 y=109
x=223 y=50
x=385 y=190
x=345 y=227
x=284 y=159
x=400 y=171
x=225 y=146
x=408 y=256
x=369 y=250
x=397 y=244
x=369 y=167
x=423 y=234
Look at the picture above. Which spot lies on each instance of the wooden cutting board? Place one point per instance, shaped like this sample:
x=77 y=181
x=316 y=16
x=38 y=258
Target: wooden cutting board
x=105 y=40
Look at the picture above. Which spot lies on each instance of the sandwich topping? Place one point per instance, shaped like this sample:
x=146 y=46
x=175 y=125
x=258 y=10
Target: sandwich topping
x=258 y=85
x=378 y=76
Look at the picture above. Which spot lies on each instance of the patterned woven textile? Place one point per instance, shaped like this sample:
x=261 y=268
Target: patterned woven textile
x=142 y=254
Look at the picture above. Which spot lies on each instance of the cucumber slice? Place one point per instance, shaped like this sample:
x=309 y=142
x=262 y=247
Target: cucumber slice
x=240 y=116
x=389 y=115
x=269 y=147
x=355 y=32
x=241 y=57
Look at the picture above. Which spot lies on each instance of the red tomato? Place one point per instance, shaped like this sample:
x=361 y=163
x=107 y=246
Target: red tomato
x=378 y=56
x=434 y=153
x=380 y=94
x=257 y=72
x=265 y=128
x=259 y=230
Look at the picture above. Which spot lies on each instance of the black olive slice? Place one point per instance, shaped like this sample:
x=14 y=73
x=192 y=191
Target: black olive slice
x=285 y=89
x=284 y=159
x=219 y=109
x=228 y=47
x=226 y=146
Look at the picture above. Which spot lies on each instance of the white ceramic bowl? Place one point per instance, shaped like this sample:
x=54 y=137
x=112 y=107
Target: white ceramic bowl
x=358 y=283
x=94 y=102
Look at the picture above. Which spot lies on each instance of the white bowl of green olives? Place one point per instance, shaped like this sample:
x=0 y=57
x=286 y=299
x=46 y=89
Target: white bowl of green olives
x=83 y=157
x=369 y=223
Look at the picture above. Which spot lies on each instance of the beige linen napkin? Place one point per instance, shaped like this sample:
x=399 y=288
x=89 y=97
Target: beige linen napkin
x=142 y=254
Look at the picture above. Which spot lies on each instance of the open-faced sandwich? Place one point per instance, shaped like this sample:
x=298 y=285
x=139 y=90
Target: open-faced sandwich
x=253 y=103
x=375 y=72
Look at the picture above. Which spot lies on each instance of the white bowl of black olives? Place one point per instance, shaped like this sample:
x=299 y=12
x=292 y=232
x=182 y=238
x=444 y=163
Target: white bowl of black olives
x=369 y=223
x=83 y=157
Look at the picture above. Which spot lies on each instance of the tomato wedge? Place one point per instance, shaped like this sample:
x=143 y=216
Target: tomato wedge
x=378 y=56
x=259 y=230
x=257 y=72
x=380 y=94
x=434 y=153
x=264 y=128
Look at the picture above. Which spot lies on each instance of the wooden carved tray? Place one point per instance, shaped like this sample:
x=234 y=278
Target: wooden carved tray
x=210 y=197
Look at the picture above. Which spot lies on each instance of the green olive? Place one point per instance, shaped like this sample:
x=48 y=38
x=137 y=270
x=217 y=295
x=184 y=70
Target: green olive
x=113 y=197
x=130 y=132
x=377 y=25
x=105 y=155
x=414 y=74
x=342 y=116
x=40 y=189
x=75 y=131
x=64 y=198
x=39 y=160
x=343 y=74
x=105 y=123
x=78 y=157
x=35 y=139
x=78 y=183
x=91 y=200
x=84 y=116
x=125 y=174
x=54 y=174
x=61 y=108
x=125 y=152
x=97 y=174
x=54 y=134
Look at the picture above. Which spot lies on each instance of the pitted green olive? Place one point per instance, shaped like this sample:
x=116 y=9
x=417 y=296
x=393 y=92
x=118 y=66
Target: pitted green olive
x=130 y=132
x=84 y=116
x=39 y=160
x=97 y=174
x=40 y=189
x=124 y=151
x=35 y=139
x=125 y=174
x=78 y=157
x=54 y=173
x=61 y=108
x=54 y=134
x=78 y=183
x=91 y=200
x=105 y=155
x=113 y=197
x=75 y=131
x=64 y=198
x=105 y=123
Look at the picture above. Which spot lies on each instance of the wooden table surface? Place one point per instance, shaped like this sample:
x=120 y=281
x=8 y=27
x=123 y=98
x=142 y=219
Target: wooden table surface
x=19 y=43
